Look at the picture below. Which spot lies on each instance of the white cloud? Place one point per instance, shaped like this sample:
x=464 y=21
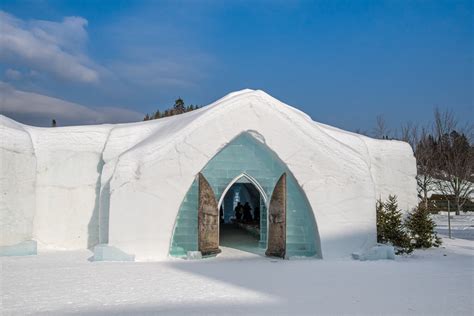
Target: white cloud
x=53 y=47
x=13 y=74
x=37 y=109
x=159 y=73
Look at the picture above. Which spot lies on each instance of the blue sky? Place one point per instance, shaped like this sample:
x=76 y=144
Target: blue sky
x=342 y=62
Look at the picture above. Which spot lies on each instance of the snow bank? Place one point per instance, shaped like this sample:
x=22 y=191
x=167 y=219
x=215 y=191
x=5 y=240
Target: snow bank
x=123 y=184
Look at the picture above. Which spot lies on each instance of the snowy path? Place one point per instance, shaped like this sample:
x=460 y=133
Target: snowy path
x=241 y=284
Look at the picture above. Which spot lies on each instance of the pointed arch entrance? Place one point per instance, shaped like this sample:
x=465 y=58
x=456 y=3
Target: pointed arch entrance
x=211 y=222
x=248 y=160
x=251 y=180
x=241 y=204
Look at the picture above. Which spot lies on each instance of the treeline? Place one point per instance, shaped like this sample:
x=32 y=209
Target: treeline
x=444 y=155
x=178 y=108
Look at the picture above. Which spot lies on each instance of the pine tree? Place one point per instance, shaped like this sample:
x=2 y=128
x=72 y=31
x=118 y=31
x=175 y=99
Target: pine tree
x=422 y=228
x=381 y=222
x=390 y=228
x=179 y=106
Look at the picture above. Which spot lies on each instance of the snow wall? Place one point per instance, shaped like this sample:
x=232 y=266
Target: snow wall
x=123 y=184
x=17 y=184
x=69 y=165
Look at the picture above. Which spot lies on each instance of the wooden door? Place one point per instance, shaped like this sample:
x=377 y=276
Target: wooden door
x=276 y=246
x=208 y=219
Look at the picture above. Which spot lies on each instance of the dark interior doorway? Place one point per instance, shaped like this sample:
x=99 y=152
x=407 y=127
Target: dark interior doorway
x=240 y=217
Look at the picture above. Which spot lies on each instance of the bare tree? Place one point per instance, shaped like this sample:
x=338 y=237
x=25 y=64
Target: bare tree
x=444 y=122
x=361 y=132
x=454 y=158
x=381 y=130
x=425 y=165
x=422 y=144
x=409 y=132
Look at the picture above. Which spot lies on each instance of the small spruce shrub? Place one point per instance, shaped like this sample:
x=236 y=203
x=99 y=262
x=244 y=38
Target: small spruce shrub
x=422 y=228
x=390 y=226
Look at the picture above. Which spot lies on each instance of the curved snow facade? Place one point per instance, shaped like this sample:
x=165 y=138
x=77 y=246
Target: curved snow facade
x=124 y=185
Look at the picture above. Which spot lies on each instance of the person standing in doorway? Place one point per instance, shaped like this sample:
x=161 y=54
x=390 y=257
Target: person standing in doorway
x=238 y=212
x=247 y=213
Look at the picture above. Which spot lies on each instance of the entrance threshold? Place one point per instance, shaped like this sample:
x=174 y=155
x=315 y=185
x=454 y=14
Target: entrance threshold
x=237 y=239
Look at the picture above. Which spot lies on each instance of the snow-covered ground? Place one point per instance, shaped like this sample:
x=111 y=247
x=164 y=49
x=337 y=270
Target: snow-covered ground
x=462 y=226
x=430 y=282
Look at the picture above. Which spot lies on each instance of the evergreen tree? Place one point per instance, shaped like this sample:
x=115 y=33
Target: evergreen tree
x=422 y=228
x=179 y=106
x=381 y=222
x=390 y=227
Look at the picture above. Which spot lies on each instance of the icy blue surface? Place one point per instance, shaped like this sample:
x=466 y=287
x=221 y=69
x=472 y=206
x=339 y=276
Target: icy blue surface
x=378 y=252
x=104 y=252
x=25 y=248
x=246 y=155
x=185 y=235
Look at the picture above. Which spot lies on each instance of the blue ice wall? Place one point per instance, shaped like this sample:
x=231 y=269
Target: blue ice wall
x=185 y=235
x=25 y=248
x=247 y=155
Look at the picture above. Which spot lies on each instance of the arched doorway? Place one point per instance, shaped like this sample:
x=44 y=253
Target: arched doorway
x=246 y=158
x=240 y=208
x=239 y=218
